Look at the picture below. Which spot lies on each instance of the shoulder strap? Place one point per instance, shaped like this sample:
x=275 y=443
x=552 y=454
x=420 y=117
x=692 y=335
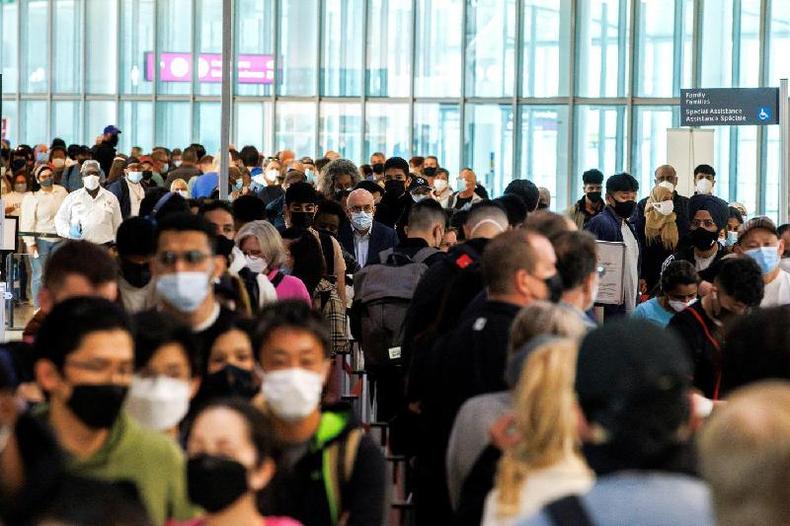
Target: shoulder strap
x=713 y=341
x=385 y=254
x=277 y=279
x=339 y=459
x=568 y=511
x=328 y=248
x=423 y=254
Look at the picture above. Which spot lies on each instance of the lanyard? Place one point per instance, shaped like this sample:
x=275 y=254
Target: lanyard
x=715 y=343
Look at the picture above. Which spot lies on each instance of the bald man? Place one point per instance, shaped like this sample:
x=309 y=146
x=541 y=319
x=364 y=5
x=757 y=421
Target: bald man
x=361 y=235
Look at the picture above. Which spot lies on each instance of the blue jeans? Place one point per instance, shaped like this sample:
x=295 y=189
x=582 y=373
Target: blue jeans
x=45 y=248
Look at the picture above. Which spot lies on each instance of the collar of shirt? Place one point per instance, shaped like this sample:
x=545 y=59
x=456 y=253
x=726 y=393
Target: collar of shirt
x=209 y=321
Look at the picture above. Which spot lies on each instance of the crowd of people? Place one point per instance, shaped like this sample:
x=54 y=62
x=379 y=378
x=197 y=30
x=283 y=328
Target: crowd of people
x=187 y=358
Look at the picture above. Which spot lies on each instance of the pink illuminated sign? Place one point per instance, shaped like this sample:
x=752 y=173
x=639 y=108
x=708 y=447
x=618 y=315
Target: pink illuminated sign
x=177 y=67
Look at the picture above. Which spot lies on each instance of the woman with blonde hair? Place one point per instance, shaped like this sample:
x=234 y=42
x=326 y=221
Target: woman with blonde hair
x=545 y=462
x=470 y=437
x=660 y=235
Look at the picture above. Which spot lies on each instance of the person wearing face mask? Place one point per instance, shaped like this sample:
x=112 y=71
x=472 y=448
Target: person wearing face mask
x=129 y=191
x=331 y=472
x=135 y=245
x=362 y=235
x=577 y=265
x=613 y=224
x=180 y=187
x=13 y=199
x=784 y=235
x=166 y=374
x=377 y=161
x=266 y=183
x=71 y=178
x=666 y=176
x=85 y=364
x=301 y=204
x=759 y=240
x=591 y=203
x=104 y=150
x=184 y=269
x=679 y=283
x=738 y=286
x=230 y=450
x=466 y=193
x=734 y=222
x=659 y=236
x=90 y=213
x=420 y=189
x=57 y=161
x=393 y=210
x=337 y=179
x=701 y=247
x=441 y=187
x=704 y=179
x=518 y=268
x=38 y=211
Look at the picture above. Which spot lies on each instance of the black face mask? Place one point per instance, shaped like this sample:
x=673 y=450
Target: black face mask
x=228 y=382
x=429 y=172
x=554 y=284
x=302 y=219
x=98 y=406
x=137 y=274
x=214 y=483
x=624 y=208
x=594 y=197
x=113 y=140
x=378 y=168
x=148 y=175
x=703 y=239
x=395 y=188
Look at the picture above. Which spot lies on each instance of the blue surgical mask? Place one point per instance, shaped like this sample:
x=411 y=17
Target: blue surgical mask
x=766 y=257
x=239 y=183
x=134 y=177
x=732 y=238
x=361 y=220
x=184 y=291
x=309 y=176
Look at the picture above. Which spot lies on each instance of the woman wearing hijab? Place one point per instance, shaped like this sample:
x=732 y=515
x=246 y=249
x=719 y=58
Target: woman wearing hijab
x=661 y=235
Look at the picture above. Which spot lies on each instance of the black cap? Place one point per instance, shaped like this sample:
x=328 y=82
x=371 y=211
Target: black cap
x=419 y=182
x=631 y=369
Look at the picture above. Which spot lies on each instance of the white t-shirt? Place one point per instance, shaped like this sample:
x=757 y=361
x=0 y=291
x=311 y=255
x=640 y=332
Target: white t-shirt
x=778 y=291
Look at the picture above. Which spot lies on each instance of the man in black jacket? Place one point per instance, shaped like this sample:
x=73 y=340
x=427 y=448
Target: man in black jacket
x=518 y=268
x=362 y=236
x=104 y=151
x=393 y=210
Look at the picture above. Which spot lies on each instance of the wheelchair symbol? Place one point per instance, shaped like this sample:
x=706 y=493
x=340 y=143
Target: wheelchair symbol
x=764 y=114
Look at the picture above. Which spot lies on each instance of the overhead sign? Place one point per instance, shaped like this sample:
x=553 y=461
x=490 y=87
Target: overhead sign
x=177 y=67
x=729 y=106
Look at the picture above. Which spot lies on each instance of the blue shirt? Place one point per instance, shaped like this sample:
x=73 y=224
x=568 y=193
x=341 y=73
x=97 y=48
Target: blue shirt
x=652 y=311
x=205 y=184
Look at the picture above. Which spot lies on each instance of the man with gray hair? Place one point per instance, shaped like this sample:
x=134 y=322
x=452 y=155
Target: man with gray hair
x=361 y=235
x=337 y=179
x=744 y=456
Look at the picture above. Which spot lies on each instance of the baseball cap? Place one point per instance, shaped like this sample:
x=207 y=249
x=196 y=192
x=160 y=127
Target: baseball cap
x=754 y=223
x=631 y=369
x=419 y=182
x=111 y=129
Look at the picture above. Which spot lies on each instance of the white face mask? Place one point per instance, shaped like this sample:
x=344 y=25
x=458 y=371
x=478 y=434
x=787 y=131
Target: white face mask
x=255 y=264
x=292 y=394
x=664 y=207
x=271 y=176
x=90 y=182
x=678 y=306
x=176 y=163
x=704 y=186
x=58 y=163
x=440 y=185
x=158 y=403
x=666 y=184
x=184 y=291
x=183 y=193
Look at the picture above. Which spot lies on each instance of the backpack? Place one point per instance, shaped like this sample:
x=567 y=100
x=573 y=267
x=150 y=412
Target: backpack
x=382 y=294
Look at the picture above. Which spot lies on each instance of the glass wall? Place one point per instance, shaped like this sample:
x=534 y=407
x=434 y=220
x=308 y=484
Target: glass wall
x=541 y=89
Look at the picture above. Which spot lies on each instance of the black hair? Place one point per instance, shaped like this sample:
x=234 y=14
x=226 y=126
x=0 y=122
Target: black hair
x=704 y=169
x=71 y=321
x=515 y=208
x=333 y=208
x=734 y=212
x=136 y=237
x=370 y=186
x=678 y=272
x=621 y=182
x=73 y=150
x=210 y=205
x=291 y=314
x=742 y=279
x=259 y=427
x=457 y=221
x=248 y=208
x=398 y=163
x=592 y=176
x=200 y=151
x=186 y=222
x=745 y=363
x=366 y=169
x=153 y=331
x=240 y=324
x=83 y=258
x=526 y=190
x=576 y=257
x=309 y=263
x=301 y=193
x=782 y=229
x=57 y=142
x=249 y=156
x=173 y=205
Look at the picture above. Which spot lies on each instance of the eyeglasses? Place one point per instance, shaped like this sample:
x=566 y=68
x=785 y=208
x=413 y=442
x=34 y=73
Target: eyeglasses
x=191 y=257
x=707 y=223
x=357 y=209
